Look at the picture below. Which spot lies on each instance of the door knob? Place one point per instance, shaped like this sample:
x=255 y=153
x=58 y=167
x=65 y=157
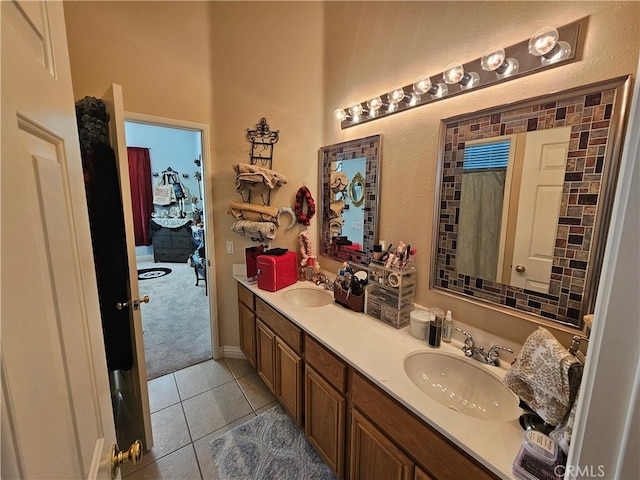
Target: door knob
x=520 y=268
x=136 y=303
x=133 y=455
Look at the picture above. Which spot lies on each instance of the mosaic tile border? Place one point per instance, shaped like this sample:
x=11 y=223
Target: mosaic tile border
x=371 y=149
x=590 y=118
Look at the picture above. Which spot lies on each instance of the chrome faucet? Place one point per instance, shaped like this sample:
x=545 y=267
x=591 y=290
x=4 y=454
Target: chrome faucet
x=470 y=350
x=325 y=282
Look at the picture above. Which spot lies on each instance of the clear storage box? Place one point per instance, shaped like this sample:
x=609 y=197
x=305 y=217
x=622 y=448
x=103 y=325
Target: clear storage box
x=390 y=293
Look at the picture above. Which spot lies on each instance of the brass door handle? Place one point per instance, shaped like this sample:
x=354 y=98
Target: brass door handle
x=136 y=303
x=133 y=455
x=520 y=268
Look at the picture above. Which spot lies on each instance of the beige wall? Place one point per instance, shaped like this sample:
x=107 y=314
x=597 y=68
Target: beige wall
x=227 y=64
x=372 y=46
x=261 y=59
x=266 y=62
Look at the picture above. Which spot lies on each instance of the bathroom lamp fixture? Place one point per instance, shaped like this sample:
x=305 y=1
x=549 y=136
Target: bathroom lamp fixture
x=545 y=44
x=454 y=73
x=495 y=60
x=498 y=64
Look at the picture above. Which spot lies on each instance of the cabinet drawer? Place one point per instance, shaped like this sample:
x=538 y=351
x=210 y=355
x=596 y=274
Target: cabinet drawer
x=162 y=241
x=441 y=459
x=246 y=296
x=326 y=363
x=282 y=327
x=181 y=241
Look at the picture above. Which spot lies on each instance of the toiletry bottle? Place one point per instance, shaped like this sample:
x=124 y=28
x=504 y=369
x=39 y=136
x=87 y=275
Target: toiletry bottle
x=447 y=328
x=309 y=269
x=435 y=331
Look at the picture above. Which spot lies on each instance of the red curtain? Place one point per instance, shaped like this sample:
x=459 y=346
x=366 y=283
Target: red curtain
x=141 y=193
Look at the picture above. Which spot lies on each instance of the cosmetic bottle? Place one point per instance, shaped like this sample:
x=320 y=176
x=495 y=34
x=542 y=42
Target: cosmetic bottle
x=435 y=331
x=447 y=328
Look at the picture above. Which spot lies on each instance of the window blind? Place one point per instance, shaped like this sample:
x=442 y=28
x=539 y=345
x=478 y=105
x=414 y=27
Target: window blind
x=486 y=156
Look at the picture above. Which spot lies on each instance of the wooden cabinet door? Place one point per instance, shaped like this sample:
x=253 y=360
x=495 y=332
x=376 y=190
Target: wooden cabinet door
x=324 y=420
x=288 y=380
x=265 y=358
x=373 y=455
x=247 y=333
x=421 y=475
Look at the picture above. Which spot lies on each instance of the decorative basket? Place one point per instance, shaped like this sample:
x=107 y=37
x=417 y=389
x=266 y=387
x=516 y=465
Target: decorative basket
x=353 y=302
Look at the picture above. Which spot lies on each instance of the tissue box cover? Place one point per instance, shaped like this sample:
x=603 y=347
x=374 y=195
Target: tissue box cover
x=277 y=272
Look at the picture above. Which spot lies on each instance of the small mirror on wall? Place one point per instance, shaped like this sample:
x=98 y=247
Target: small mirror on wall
x=349 y=183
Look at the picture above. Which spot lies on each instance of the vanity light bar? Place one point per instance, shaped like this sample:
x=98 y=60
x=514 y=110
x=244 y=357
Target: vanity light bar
x=547 y=48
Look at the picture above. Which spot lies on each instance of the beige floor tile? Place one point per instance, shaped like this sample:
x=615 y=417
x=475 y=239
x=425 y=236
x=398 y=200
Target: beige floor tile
x=214 y=409
x=256 y=391
x=170 y=433
x=163 y=392
x=202 y=377
x=239 y=367
x=179 y=465
x=267 y=407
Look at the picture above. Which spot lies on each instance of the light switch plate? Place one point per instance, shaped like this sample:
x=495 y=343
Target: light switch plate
x=230 y=248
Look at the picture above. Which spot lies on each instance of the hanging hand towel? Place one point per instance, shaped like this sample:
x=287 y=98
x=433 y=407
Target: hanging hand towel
x=262 y=230
x=253 y=212
x=250 y=177
x=540 y=376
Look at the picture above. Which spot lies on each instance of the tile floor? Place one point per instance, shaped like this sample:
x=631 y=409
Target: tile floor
x=191 y=407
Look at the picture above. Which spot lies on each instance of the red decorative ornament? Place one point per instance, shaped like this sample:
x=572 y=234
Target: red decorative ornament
x=304 y=195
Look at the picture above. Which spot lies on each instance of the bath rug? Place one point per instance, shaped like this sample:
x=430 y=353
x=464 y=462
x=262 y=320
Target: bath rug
x=267 y=447
x=149 y=273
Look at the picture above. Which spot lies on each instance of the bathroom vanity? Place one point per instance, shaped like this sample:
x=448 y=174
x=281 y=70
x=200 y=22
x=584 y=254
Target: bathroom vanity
x=341 y=376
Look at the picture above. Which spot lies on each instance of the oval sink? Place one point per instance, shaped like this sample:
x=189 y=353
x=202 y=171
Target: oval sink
x=307 y=297
x=462 y=386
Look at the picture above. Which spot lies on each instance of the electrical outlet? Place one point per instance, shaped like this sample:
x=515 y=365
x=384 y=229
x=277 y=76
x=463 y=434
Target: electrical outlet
x=230 y=248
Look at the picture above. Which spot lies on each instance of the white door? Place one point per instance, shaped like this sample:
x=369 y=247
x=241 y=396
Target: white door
x=132 y=384
x=56 y=407
x=545 y=158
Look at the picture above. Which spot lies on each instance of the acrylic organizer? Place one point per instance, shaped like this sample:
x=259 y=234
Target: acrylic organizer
x=390 y=293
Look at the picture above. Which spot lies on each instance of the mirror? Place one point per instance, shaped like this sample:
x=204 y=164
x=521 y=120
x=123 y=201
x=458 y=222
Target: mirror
x=349 y=176
x=356 y=190
x=524 y=201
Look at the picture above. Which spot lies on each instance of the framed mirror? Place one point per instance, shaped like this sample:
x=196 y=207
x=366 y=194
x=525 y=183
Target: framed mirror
x=524 y=201
x=349 y=200
x=356 y=190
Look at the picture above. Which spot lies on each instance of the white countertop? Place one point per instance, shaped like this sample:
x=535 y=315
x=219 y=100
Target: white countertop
x=378 y=351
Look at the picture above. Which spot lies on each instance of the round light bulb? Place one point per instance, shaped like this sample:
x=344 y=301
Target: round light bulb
x=340 y=114
x=492 y=59
x=439 y=90
x=396 y=95
x=453 y=73
x=421 y=84
x=356 y=110
x=543 y=41
x=561 y=52
x=374 y=103
x=470 y=80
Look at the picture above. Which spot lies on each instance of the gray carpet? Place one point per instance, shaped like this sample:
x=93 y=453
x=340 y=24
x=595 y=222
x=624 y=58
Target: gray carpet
x=268 y=447
x=176 y=321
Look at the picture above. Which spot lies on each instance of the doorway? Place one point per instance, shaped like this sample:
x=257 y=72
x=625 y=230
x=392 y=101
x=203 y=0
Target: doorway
x=178 y=324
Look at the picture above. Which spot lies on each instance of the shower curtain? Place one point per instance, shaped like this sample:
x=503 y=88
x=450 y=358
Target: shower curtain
x=479 y=223
x=141 y=193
